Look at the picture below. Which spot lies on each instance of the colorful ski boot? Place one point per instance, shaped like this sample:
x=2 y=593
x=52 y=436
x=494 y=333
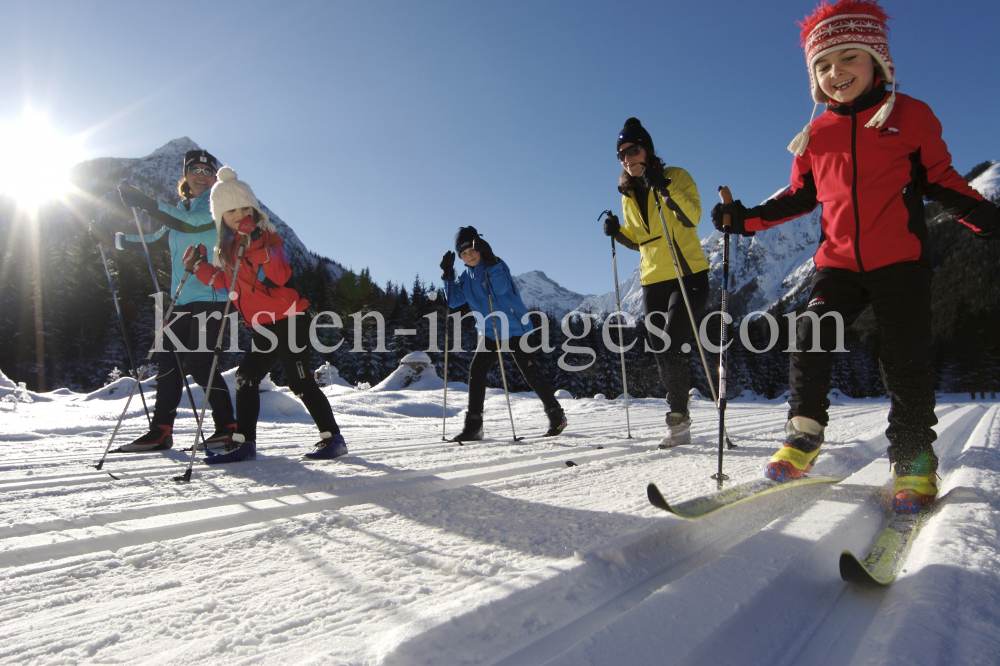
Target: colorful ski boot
x=219 y=438
x=159 y=438
x=803 y=439
x=914 y=484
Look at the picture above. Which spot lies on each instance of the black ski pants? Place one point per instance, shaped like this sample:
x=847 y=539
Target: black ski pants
x=663 y=304
x=170 y=378
x=255 y=366
x=484 y=359
x=900 y=296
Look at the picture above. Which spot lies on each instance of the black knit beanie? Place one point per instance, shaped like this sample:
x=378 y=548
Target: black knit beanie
x=634 y=132
x=464 y=239
x=201 y=158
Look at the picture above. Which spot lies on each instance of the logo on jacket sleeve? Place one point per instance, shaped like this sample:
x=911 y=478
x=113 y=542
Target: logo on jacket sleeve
x=816 y=303
x=887 y=131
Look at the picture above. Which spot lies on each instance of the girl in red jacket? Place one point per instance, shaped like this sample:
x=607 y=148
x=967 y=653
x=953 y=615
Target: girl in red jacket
x=870 y=160
x=269 y=306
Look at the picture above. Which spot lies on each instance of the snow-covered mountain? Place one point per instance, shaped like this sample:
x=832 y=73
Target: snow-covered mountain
x=540 y=292
x=988 y=182
x=157 y=174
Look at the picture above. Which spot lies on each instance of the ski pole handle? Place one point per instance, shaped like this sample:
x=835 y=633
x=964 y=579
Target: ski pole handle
x=727 y=198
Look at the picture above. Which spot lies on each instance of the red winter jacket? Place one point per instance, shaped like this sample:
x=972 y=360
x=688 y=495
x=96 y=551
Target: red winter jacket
x=871 y=183
x=260 y=286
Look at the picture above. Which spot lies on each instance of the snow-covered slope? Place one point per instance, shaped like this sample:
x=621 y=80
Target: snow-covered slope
x=988 y=182
x=157 y=175
x=413 y=551
x=540 y=292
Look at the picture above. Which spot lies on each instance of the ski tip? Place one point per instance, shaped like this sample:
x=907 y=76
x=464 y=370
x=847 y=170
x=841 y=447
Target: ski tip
x=656 y=498
x=599 y=447
x=113 y=476
x=570 y=463
x=853 y=571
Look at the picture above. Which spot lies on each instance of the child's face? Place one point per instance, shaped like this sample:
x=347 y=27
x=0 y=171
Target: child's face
x=632 y=163
x=470 y=257
x=845 y=75
x=231 y=218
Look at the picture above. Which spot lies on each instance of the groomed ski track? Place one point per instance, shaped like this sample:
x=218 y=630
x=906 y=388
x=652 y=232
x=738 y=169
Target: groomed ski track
x=415 y=551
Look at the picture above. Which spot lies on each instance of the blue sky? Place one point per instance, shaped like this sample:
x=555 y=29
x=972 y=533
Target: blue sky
x=376 y=129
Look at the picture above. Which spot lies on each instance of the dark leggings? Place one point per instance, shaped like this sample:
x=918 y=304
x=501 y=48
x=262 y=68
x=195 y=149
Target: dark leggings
x=900 y=296
x=665 y=297
x=256 y=364
x=170 y=381
x=484 y=359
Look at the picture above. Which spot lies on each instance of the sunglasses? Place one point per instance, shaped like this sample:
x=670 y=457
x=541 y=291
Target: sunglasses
x=631 y=151
x=208 y=171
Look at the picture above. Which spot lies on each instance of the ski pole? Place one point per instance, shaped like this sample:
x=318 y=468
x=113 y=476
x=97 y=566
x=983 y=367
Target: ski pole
x=621 y=348
x=727 y=198
x=121 y=322
x=444 y=418
x=156 y=285
x=152 y=350
x=496 y=338
x=687 y=302
x=186 y=476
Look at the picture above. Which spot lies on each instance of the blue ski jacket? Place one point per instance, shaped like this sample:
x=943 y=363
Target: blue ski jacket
x=470 y=287
x=189 y=223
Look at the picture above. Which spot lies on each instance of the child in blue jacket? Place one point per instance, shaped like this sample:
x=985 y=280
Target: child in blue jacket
x=471 y=287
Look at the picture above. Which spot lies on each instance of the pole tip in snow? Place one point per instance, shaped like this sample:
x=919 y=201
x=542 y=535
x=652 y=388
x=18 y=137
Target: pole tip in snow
x=570 y=463
x=185 y=477
x=98 y=466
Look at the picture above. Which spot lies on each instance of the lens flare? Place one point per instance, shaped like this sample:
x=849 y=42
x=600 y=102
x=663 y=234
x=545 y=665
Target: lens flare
x=36 y=160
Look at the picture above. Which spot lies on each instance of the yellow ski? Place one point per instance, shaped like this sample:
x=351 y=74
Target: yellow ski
x=706 y=504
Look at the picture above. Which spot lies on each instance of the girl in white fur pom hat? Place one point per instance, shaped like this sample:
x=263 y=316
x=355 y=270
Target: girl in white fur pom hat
x=270 y=307
x=870 y=159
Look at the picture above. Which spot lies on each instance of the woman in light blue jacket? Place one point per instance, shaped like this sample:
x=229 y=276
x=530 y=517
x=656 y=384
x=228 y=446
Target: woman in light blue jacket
x=472 y=287
x=186 y=224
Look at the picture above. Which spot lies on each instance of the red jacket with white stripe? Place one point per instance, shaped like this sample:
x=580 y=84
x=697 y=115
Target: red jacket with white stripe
x=260 y=285
x=872 y=183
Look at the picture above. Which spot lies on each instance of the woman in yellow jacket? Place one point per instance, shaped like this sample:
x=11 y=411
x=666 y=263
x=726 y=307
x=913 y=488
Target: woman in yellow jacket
x=662 y=301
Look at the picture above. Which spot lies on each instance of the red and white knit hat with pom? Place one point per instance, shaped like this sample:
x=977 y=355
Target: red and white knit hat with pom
x=849 y=24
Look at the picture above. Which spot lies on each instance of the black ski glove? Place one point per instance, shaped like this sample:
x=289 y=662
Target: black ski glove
x=612 y=225
x=655 y=180
x=134 y=198
x=101 y=235
x=993 y=231
x=485 y=252
x=448 y=266
x=737 y=212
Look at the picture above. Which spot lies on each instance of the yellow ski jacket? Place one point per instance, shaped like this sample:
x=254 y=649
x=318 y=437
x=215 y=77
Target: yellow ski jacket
x=657 y=265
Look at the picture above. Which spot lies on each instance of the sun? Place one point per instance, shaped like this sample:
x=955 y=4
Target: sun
x=36 y=160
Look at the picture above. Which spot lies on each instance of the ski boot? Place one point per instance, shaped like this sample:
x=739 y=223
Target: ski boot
x=557 y=421
x=914 y=484
x=473 y=431
x=328 y=448
x=159 y=438
x=219 y=438
x=237 y=449
x=804 y=437
x=678 y=430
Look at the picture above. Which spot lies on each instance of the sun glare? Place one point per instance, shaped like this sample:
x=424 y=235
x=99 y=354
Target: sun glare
x=36 y=160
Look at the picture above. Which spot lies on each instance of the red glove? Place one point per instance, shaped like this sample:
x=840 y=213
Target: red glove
x=194 y=256
x=247 y=226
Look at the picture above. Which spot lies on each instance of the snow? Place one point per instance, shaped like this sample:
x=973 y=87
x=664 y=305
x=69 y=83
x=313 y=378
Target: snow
x=411 y=550
x=988 y=182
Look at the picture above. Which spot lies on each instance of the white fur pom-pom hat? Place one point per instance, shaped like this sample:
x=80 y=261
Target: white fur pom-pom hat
x=230 y=193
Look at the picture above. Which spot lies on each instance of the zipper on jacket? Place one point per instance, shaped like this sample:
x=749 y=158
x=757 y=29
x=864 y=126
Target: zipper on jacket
x=854 y=190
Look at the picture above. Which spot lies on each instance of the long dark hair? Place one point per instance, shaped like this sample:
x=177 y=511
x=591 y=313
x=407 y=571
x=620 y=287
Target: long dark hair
x=227 y=240
x=183 y=188
x=626 y=183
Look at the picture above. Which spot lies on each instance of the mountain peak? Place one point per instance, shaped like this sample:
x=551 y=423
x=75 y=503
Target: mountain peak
x=181 y=145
